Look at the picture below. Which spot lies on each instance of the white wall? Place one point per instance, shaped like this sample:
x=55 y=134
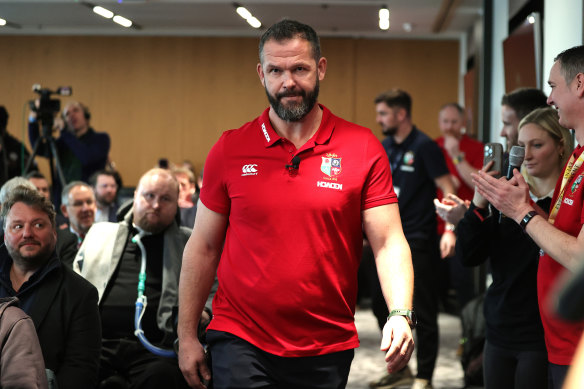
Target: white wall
x=500 y=32
x=562 y=29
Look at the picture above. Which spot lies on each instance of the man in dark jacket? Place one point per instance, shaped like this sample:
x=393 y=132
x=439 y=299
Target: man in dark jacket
x=62 y=305
x=13 y=153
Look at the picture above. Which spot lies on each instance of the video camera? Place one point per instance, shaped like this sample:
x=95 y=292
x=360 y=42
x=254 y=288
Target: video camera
x=45 y=107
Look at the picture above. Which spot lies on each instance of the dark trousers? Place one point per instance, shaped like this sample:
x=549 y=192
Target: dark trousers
x=125 y=363
x=557 y=375
x=425 y=259
x=461 y=279
x=513 y=369
x=237 y=364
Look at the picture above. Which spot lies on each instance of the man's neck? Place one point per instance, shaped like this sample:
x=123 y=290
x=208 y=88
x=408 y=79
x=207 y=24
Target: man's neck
x=297 y=132
x=81 y=131
x=80 y=235
x=402 y=132
x=19 y=275
x=579 y=135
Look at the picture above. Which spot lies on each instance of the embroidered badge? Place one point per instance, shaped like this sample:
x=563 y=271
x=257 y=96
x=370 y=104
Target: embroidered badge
x=577 y=183
x=409 y=158
x=331 y=165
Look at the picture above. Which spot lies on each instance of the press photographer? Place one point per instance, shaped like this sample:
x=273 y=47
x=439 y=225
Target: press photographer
x=79 y=150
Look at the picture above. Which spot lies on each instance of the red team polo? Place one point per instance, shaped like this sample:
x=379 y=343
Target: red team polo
x=288 y=270
x=473 y=153
x=561 y=337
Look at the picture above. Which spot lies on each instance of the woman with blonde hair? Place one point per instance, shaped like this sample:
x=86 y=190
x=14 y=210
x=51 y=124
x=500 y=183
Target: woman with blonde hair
x=515 y=353
x=540 y=129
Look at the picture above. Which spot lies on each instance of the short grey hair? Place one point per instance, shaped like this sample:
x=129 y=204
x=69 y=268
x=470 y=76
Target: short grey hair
x=13 y=183
x=69 y=187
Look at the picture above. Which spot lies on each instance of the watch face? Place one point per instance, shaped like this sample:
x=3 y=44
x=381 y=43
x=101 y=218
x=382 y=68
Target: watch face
x=408 y=314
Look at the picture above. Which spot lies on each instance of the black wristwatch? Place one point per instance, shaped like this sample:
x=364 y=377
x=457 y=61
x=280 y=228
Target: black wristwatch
x=526 y=219
x=407 y=313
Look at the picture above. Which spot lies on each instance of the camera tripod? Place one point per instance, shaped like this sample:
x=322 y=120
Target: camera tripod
x=46 y=139
x=4 y=152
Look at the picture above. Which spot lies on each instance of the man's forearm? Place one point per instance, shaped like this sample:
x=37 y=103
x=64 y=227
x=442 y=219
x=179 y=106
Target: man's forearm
x=465 y=170
x=567 y=250
x=396 y=275
x=197 y=276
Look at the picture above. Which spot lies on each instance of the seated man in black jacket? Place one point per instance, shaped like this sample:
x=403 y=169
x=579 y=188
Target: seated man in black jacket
x=62 y=305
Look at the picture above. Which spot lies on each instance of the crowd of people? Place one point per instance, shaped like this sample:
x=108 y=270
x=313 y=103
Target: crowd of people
x=251 y=279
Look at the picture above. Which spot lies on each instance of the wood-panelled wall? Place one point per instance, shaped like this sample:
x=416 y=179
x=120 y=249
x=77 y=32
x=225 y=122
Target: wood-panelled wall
x=172 y=97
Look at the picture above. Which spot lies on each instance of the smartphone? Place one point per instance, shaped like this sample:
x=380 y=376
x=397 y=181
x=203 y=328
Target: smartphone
x=494 y=152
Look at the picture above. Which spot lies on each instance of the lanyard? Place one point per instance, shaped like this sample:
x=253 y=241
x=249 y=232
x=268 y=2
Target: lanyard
x=571 y=169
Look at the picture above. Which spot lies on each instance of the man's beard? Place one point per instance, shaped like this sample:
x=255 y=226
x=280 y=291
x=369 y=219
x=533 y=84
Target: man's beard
x=31 y=262
x=105 y=202
x=294 y=112
x=389 y=131
x=153 y=227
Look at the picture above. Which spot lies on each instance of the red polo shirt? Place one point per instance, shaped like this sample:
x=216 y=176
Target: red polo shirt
x=473 y=153
x=288 y=271
x=561 y=337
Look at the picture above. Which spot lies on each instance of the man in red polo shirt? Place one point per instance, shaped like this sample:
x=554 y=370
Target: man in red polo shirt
x=280 y=218
x=560 y=236
x=463 y=155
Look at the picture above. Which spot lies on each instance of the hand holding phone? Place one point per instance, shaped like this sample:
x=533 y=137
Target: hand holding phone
x=494 y=152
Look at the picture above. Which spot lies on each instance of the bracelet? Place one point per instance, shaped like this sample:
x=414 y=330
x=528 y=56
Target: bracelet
x=527 y=218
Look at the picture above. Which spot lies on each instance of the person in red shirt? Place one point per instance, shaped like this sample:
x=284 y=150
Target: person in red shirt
x=285 y=201
x=561 y=236
x=463 y=156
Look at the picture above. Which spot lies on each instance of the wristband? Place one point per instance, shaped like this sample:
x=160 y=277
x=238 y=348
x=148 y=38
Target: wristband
x=458 y=159
x=527 y=218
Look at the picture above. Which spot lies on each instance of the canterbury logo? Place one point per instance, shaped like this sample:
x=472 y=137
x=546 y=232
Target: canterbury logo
x=249 y=170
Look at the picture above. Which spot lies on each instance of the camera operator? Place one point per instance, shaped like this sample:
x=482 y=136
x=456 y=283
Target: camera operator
x=12 y=151
x=81 y=150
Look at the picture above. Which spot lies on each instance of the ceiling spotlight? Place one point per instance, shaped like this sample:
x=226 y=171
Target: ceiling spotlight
x=254 y=22
x=122 y=21
x=384 y=18
x=106 y=13
x=383 y=13
x=2 y=22
x=244 y=13
x=531 y=19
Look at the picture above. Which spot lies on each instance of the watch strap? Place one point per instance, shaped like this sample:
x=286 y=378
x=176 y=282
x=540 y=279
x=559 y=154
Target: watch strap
x=526 y=219
x=407 y=313
x=458 y=159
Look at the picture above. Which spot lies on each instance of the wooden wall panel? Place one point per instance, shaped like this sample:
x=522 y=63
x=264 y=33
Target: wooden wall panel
x=427 y=70
x=173 y=96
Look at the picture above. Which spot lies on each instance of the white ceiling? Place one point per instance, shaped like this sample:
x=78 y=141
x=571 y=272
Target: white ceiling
x=347 y=18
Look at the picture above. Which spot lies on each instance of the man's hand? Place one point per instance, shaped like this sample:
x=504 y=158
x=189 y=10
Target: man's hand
x=510 y=197
x=451 y=209
x=398 y=342
x=452 y=146
x=191 y=360
x=447 y=244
